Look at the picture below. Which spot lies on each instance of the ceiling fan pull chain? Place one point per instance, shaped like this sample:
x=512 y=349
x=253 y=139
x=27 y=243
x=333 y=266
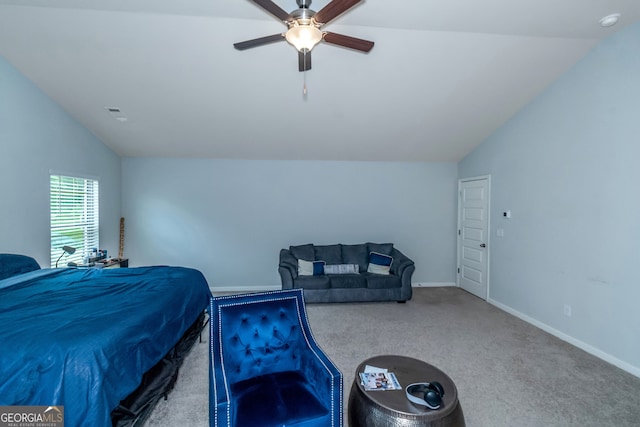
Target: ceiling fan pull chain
x=304 y=77
x=304 y=86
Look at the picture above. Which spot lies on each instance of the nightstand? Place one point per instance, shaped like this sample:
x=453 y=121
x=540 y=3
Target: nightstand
x=111 y=263
x=116 y=263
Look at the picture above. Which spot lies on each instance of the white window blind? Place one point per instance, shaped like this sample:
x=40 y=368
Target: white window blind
x=74 y=217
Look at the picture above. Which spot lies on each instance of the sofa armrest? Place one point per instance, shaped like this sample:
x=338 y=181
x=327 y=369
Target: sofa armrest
x=288 y=268
x=400 y=262
x=403 y=267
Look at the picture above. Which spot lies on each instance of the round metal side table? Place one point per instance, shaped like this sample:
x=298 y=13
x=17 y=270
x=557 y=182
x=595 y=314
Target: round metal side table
x=391 y=408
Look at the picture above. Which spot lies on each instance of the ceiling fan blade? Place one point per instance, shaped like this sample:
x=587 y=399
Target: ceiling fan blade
x=349 y=42
x=248 y=44
x=304 y=61
x=334 y=9
x=273 y=9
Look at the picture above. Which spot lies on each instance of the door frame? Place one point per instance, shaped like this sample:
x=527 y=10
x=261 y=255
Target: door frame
x=458 y=234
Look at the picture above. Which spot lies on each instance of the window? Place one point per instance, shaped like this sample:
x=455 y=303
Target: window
x=74 y=217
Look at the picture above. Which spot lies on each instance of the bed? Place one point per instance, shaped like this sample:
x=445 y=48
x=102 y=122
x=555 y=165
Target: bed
x=103 y=343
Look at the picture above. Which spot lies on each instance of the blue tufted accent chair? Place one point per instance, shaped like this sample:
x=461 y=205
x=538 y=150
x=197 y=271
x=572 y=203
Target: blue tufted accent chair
x=265 y=368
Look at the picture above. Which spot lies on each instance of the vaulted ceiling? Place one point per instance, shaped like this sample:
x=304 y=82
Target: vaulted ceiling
x=442 y=76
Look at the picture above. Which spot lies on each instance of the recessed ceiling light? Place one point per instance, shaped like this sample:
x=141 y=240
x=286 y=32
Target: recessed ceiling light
x=610 y=20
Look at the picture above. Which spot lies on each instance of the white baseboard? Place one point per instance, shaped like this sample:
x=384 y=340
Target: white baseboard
x=277 y=287
x=245 y=288
x=431 y=284
x=633 y=370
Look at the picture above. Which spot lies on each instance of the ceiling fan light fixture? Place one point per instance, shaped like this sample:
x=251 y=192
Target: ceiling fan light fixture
x=304 y=37
x=304 y=29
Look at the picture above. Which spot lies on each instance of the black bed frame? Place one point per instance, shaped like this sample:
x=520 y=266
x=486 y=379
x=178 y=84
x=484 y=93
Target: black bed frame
x=156 y=383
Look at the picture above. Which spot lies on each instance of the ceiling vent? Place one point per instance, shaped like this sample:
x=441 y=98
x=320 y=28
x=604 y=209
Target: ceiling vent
x=117 y=114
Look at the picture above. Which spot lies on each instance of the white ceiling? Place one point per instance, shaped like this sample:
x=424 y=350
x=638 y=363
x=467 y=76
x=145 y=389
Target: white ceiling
x=443 y=75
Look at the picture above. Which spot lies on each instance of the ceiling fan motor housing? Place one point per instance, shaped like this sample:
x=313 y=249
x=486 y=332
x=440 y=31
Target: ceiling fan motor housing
x=302 y=16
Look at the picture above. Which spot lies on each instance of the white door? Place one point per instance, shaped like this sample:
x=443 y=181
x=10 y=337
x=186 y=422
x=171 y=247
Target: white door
x=473 y=235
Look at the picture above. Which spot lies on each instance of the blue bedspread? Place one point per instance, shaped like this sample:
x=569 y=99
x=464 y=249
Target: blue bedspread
x=84 y=338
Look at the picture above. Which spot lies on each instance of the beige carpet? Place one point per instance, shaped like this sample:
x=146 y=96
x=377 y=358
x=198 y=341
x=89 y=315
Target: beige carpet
x=508 y=373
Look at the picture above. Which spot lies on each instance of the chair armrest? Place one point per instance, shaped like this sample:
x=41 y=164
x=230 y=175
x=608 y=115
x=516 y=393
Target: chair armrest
x=321 y=373
x=218 y=389
x=323 y=376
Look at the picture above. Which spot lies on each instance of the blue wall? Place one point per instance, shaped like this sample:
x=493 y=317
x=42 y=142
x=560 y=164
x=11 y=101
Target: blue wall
x=568 y=168
x=36 y=137
x=230 y=218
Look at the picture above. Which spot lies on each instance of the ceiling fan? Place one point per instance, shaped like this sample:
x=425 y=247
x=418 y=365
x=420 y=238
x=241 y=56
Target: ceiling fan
x=304 y=27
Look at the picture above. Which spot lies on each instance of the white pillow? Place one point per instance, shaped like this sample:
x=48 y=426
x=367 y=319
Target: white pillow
x=379 y=263
x=310 y=268
x=341 y=269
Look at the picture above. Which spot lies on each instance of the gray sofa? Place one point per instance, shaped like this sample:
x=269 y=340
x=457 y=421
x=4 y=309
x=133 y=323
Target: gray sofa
x=356 y=287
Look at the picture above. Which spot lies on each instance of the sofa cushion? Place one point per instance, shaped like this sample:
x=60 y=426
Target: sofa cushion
x=348 y=281
x=312 y=282
x=381 y=248
x=378 y=281
x=310 y=268
x=303 y=252
x=356 y=254
x=331 y=254
x=379 y=263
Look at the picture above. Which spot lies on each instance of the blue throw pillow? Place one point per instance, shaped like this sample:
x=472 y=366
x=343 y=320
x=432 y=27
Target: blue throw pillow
x=310 y=268
x=379 y=263
x=13 y=264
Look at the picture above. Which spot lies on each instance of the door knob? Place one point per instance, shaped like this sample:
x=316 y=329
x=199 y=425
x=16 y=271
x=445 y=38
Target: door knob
x=483 y=245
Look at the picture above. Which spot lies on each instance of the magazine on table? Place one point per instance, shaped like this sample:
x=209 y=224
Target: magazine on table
x=379 y=381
